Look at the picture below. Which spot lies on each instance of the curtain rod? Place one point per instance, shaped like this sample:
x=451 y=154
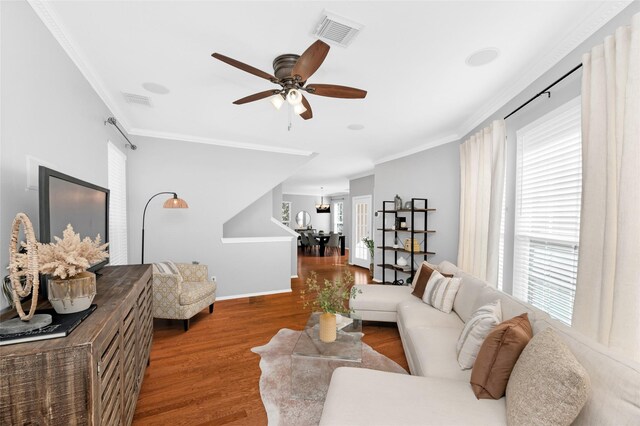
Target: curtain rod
x=544 y=91
x=114 y=123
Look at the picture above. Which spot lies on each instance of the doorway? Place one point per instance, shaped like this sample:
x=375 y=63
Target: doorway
x=361 y=228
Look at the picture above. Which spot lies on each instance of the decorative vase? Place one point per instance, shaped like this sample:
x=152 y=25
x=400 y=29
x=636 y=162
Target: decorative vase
x=73 y=294
x=397 y=202
x=371 y=270
x=327 y=327
x=402 y=261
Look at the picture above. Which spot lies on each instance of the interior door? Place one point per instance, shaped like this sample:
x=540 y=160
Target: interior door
x=361 y=220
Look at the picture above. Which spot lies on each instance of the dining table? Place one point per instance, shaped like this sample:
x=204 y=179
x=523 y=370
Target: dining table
x=324 y=238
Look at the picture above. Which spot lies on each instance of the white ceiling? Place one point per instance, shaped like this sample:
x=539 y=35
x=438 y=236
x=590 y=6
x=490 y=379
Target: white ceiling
x=410 y=57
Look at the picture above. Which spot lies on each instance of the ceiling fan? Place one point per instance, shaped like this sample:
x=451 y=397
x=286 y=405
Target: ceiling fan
x=291 y=73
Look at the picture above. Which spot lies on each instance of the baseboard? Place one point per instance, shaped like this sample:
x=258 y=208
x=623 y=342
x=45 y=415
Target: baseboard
x=262 y=293
x=375 y=280
x=294 y=277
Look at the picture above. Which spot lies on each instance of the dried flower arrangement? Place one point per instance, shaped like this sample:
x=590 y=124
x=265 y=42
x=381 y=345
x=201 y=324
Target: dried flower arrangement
x=330 y=297
x=371 y=245
x=69 y=255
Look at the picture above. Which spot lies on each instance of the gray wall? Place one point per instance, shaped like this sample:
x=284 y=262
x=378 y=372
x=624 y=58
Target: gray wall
x=308 y=203
x=218 y=183
x=277 y=202
x=433 y=174
x=358 y=187
x=560 y=94
x=49 y=111
x=256 y=221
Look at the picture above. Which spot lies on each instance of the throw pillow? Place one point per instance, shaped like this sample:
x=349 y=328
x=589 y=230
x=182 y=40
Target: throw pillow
x=441 y=291
x=421 y=278
x=497 y=356
x=167 y=267
x=475 y=330
x=548 y=386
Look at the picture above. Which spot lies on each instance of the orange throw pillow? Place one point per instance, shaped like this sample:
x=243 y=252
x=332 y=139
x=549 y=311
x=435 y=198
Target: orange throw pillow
x=498 y=354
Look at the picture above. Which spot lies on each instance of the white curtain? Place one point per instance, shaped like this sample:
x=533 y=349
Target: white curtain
x=607 y=303
x=482 y=165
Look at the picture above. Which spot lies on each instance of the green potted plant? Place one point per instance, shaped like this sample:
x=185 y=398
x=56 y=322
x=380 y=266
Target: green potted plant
x=330 y=298
x=371 y=246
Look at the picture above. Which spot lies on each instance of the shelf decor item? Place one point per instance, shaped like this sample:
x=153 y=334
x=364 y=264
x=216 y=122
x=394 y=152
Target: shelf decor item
x=330 y=298
x=396 y=243
x=71 y=287
x=398 y=202
x=407 y=244
x=24 y=280
x=402 y=261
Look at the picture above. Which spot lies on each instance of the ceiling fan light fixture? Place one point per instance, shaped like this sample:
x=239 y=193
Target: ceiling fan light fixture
x=294 y=97
x=277 y=101
x=299 y=109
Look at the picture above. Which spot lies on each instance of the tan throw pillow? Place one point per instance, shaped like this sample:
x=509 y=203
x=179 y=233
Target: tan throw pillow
x=498 y=354
x=548 y=386
x=421 y=278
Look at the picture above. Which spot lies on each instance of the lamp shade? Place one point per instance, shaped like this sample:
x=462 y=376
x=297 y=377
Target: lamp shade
x=175 y=203
x=277 y=101
x=299 y=109
x=294 y=97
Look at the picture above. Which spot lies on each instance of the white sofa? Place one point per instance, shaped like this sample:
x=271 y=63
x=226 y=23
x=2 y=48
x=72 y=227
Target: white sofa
x=438 y=391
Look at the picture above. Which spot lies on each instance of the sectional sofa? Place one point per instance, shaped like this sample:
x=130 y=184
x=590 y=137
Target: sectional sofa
x=438 y=391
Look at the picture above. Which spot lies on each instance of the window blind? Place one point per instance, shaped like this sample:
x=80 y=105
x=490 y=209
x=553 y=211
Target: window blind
x=547 y=217
x=117 y=182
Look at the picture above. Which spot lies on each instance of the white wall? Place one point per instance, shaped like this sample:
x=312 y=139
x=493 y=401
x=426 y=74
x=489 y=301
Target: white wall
x=320 y=222
x=218 y=183
x=49 y=112
x=433 y=174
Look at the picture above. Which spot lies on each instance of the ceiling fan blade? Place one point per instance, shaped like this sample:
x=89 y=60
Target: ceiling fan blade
x=334 y=91
x=256 y=97
x=244 y=67
x=310 y=60
x=308 y=113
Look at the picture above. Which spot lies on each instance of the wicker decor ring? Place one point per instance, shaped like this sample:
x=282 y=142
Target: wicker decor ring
x=31 y=271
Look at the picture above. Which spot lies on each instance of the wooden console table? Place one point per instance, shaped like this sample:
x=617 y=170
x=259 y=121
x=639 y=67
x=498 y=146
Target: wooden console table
x=94 y=375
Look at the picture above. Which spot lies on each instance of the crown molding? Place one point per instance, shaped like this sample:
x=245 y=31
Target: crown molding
x=46 y=14
x=423 y=147
x=603 y=14
x=219 y=142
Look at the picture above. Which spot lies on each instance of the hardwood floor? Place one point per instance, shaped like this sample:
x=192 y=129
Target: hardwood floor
x=208 y=375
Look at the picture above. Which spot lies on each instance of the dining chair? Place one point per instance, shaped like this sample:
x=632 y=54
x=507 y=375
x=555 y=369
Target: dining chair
x=313 y=243
x=334 y=242
x=304 y=241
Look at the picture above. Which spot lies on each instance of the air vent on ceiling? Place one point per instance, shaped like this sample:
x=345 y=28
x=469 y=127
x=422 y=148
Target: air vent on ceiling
x=132 y=98
x=336 y=29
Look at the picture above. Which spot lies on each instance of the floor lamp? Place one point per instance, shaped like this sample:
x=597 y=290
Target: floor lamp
x=171 y=203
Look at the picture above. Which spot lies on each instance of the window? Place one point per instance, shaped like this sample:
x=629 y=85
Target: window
x=117 y=182
x=338 y=217
x=547 y=221
x=286 y=213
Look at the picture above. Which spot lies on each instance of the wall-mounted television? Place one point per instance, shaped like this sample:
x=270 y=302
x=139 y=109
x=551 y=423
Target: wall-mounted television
x=67 y=200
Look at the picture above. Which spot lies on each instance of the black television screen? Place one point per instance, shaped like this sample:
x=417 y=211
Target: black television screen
x=66 y=200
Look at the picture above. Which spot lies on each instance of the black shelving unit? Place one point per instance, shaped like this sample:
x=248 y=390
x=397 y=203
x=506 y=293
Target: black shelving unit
x=418 y=206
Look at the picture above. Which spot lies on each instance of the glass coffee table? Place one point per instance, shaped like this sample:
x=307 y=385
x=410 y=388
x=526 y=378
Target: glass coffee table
x=313 y=361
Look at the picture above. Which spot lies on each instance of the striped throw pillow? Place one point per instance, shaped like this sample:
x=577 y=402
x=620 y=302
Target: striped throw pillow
x=441 y=291
x=477 y=328
x=167 y=268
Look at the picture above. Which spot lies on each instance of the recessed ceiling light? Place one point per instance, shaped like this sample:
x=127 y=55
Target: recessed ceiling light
x=355 y=127
x=482 y=57
x=155 y=88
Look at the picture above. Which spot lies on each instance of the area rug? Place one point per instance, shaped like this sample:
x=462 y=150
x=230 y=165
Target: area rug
x=283 y=408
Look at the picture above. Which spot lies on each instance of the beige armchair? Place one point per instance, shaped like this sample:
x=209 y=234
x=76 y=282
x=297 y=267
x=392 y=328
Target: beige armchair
x=181 y=290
